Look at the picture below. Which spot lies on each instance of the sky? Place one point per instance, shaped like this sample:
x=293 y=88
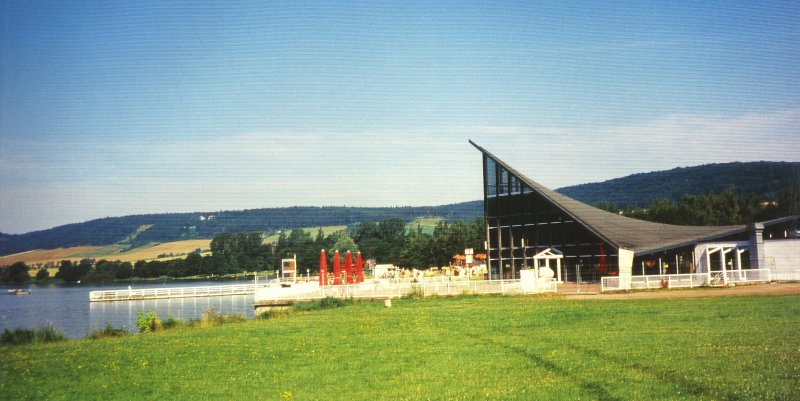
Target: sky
x=112 y=108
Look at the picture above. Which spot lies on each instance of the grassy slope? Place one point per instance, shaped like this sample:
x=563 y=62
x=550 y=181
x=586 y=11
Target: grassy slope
x=152 y=250
x=459 y=348
x=108 y=252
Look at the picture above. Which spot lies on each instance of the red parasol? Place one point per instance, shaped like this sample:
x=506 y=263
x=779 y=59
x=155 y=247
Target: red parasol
x=602 y=265
x=348 y=266
x=359 y=268
x=337 y=268
x=323 y=268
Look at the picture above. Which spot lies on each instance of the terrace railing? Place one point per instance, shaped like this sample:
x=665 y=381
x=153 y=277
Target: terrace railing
x=716 y=278
x=173 y=292
x=383 y=289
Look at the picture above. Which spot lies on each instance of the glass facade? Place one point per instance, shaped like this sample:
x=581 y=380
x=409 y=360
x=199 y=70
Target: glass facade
x=520 y=223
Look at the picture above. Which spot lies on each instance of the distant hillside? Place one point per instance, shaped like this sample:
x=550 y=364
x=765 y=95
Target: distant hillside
x=766 y=179
x=640 y=190
x=142 y=229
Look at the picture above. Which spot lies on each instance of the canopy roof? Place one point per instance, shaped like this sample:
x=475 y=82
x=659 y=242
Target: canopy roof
x=641 y=237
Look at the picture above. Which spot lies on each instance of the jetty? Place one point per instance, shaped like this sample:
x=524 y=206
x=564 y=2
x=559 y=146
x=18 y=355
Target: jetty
x=171 y=292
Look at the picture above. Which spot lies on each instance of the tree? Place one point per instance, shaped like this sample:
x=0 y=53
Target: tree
x=345 y=243
x=42 y=275
x=71 y=272
x=16 y=273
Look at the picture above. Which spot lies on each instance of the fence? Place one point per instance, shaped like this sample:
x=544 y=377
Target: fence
x=717 y=278
x=381 y=289
x=173 y=292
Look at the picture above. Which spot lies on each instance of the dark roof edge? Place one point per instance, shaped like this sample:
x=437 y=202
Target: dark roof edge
x=690 y=242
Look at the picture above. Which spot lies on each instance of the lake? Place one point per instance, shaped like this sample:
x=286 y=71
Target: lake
x=69 y=309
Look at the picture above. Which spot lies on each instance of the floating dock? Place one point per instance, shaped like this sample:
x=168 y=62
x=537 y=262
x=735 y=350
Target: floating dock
x=173 y=292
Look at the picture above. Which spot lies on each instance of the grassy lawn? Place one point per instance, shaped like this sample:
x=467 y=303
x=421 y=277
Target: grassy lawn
x=468 y=347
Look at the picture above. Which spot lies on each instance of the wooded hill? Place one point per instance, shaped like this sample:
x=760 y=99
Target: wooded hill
x=764 y=179
x=142 y=229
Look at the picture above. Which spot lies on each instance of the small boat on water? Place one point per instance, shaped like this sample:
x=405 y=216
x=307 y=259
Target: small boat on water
x=19 y=291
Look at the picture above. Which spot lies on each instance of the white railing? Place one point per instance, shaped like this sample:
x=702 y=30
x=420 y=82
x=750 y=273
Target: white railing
x=382 y=289
x=716 y=278
x=172 y=292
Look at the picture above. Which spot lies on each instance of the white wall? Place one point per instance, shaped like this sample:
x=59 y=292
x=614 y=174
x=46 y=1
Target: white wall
x=782 y=257
x=700 y=262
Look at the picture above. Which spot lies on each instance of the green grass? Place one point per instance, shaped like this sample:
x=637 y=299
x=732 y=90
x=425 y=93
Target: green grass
x=326 y=231
x=426 y=223
x=467 y=347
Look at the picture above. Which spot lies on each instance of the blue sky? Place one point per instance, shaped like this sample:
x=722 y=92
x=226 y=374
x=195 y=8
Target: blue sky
x=116 y=108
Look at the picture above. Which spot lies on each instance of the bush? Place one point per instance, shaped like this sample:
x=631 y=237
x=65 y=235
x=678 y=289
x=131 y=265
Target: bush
x=171 y=323
x=147 y=321
x=324 y=303
x=45 y=334
x=212 y=318
x=108 y=331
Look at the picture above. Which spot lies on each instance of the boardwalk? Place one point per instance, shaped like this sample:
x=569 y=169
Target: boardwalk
x=174 y=292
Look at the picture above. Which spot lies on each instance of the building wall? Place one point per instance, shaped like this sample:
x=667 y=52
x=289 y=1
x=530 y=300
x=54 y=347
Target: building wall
x=700 y=259
x=783 y=258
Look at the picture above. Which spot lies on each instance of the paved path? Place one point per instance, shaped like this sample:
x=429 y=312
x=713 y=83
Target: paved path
x=592 y=291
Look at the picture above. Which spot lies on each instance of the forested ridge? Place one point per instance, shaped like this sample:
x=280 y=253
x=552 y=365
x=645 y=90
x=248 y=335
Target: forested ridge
x=179 y=226
x=658 y=196
x=764 y=179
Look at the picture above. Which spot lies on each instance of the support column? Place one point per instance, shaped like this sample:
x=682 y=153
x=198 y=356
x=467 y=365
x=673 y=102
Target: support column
x=739 y=253
x=625 y=261
x=722 y=253
x=558 y=269
x=757 y=246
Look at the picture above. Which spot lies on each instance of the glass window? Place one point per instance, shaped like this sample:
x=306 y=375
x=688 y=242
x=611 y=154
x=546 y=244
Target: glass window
x=516 y=186
x=526 y=189
x=503 y=182
x=491 y=177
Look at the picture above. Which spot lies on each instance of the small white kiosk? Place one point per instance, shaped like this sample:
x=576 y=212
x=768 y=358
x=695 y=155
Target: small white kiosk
x=542 y=260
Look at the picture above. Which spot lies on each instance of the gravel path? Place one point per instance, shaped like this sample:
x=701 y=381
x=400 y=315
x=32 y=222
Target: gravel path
x=592 y=291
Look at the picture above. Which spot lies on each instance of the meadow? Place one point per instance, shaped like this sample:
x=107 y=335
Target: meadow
x=461 y=348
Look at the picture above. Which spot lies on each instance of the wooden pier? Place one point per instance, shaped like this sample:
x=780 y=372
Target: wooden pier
x=172 y=292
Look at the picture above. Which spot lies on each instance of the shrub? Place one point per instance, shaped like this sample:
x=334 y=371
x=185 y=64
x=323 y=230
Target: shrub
x=45 y=334
x=171 y=323
x=108 y=331
x=147 y=321
x=324 y=303
x=212 y=318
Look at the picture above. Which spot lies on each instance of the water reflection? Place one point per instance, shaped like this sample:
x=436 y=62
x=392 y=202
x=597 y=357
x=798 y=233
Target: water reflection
x=68 y=308
x=123 y=313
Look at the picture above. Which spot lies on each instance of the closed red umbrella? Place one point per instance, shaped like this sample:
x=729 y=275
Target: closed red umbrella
x=323 y=268
x=602 y=265
x=337 y=268
x=348 y=266
x=359 y=268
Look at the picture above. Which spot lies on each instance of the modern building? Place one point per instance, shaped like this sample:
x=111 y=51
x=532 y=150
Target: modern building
x=528 y=225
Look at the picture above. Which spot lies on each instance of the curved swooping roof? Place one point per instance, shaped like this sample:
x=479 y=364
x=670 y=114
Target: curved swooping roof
x=642 y=237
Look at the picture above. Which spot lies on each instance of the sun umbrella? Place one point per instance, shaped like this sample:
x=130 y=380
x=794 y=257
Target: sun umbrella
x=602 y=265
x=359 y=268
x=348 y=266
x=337 y=268
x=323 y=268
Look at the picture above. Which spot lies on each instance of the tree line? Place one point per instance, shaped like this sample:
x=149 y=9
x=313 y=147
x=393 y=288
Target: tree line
x=712 y=209
x=386 y=241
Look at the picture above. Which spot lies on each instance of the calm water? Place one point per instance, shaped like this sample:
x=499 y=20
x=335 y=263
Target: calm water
x=69 y=309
